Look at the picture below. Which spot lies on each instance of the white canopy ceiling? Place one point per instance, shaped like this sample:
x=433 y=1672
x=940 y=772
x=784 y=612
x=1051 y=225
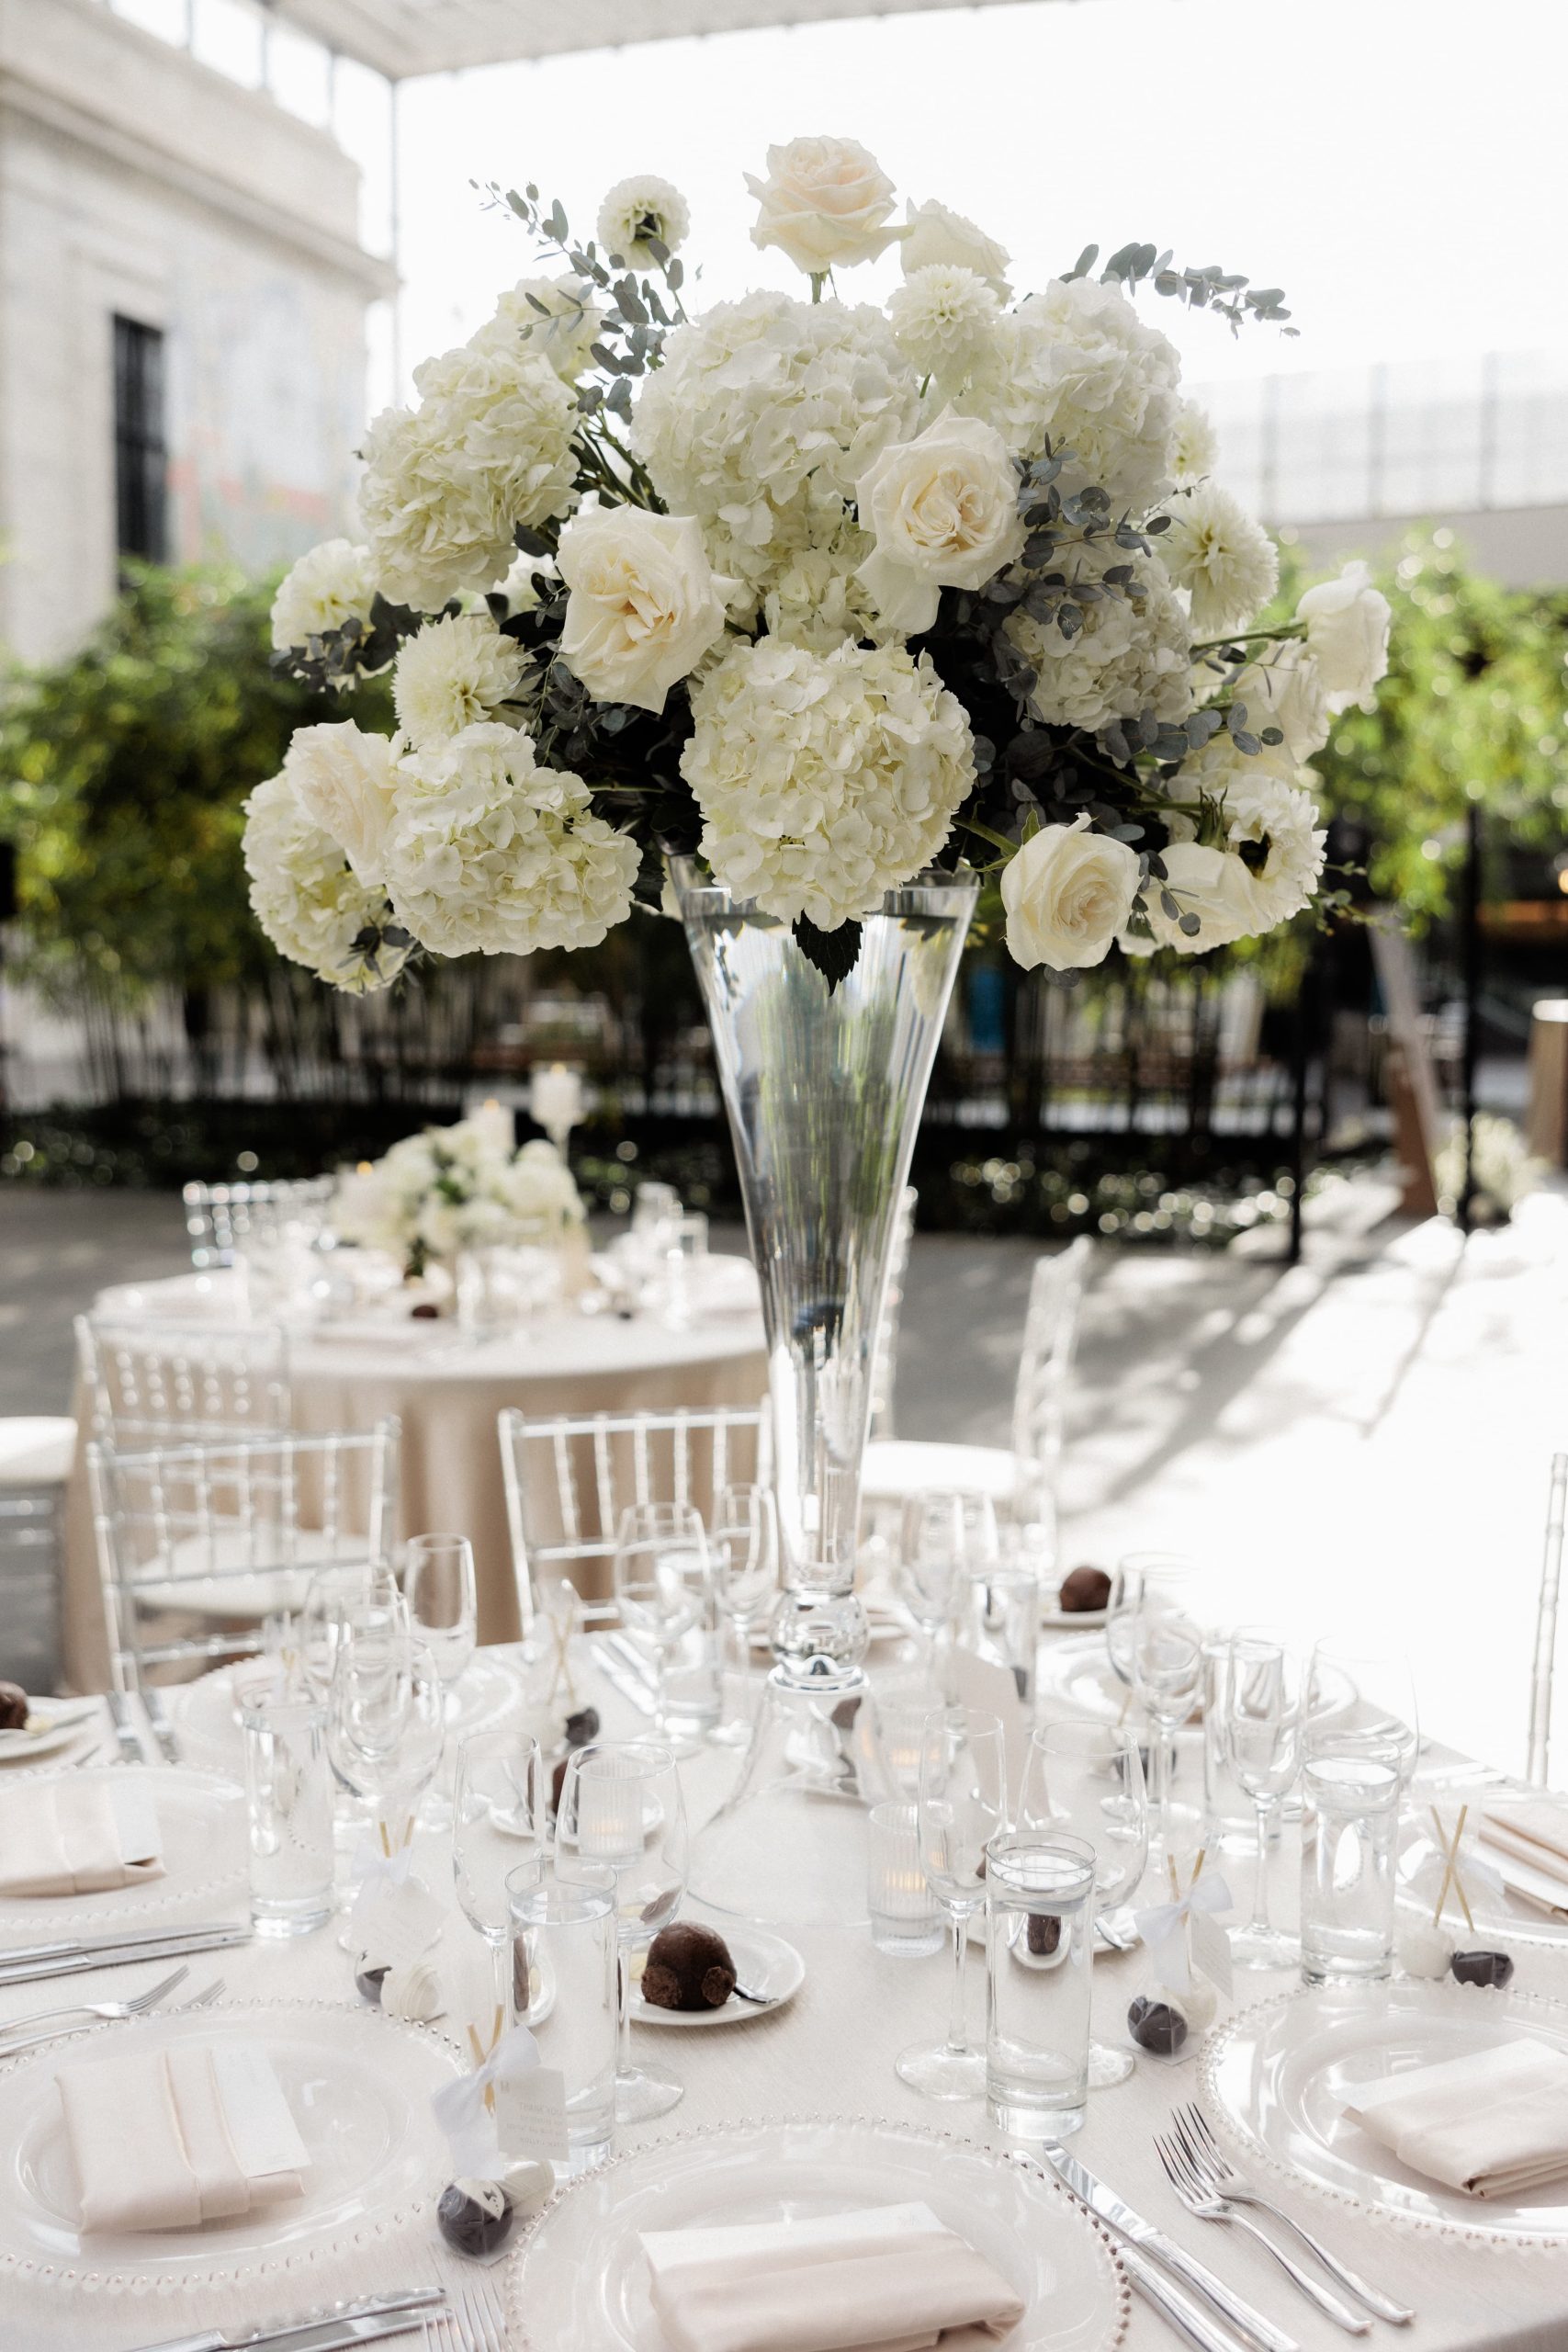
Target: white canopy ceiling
x=401 y=38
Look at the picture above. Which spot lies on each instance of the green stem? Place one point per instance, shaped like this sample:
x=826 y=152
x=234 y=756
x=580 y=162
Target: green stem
x=1248 y=637
x=982 y=832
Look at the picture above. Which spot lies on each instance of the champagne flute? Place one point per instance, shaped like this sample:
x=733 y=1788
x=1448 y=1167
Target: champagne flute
x=663 y=1587
x=438 y=1586
x=1143 y=1581
x=386 y=1723
x=745 y=1542
x=499 y=1822
x=1263 y=1701
x=1087 y=1778
x=961 y=1804
x=621 y=1804
x=1167 y=1664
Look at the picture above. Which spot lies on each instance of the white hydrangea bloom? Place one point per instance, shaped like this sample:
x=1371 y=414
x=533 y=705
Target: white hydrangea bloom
x=342 y=779
x=452 y=673
x=638 y=208
x=490 y=853
x=445 y=484
x=333 y=584
x=538 y=1183
x=1076 y=364
x=565 y=337
x=1282 y=687
x=1194 y=446
x=1129 y=657
x=1225 y=562
x=308 y=900
x=812 y=593
x=944 y=319
x=825 y=780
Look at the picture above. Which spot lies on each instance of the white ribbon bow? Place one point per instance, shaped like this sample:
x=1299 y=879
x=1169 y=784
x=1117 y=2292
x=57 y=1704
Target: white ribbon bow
x=1163 y=1927
x=465 y=2111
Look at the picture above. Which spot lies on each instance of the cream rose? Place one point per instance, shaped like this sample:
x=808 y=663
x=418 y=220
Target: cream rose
x=1067 y=893
x=1284 y=689
x=933 y=233
x=825 y=203
x=1346 y=623
x=645 y=605
x=343 y=780
x=944 y=512
x=1208 y=883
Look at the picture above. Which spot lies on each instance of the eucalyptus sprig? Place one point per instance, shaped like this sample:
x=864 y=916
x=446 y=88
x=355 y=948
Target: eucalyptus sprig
x=1229 y=292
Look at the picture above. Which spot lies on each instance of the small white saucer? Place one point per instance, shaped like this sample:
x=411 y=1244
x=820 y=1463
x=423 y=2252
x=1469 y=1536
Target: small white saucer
x=763 y=1964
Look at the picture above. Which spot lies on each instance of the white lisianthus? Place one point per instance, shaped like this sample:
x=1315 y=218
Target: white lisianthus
x=942 y=320
x=1076 y=364
x=309 y=902
x=447 y=483
x=825 y=204
x=1067 y=893
x=1272 y=827
x=1211 y=884
x=1346 y=623
x=452 y=673
x=489 y=852
x=563 y=332
x=640 y=208
x=1128 y=657
x=344 y=780
x=943 y=511
x=824 y=780
x=1225 y=560
x=644 y=606
x=333 y=584
x=933 y=234
x=1282 y=687
x=1194 y=446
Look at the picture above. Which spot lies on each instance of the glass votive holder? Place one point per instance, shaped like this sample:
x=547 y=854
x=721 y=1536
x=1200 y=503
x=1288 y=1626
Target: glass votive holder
x=906 y=1917
x=1349 y=1823
x=1039 y=1948
x=563 y=1936
x=901 y=1718
x=288 y=1795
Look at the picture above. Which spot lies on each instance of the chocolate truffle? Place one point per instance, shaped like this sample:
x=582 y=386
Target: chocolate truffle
x=1083 y=1589
x=1492 y=1968
x=688 y=1968
x=582 y=1727
x=474 y=2216
x=1045 y=1933
x=1159 y=2026
x=13 y=1707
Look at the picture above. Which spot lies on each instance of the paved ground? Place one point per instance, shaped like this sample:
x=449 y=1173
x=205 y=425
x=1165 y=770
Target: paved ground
x=1360 y=1444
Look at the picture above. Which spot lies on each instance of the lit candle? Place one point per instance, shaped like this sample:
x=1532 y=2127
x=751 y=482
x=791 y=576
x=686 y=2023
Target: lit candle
x=492 y=1121
x=556 y=1100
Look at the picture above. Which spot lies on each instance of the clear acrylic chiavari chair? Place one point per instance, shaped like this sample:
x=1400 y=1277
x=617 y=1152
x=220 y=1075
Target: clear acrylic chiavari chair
x=1544 y=1664
x=151 y=1383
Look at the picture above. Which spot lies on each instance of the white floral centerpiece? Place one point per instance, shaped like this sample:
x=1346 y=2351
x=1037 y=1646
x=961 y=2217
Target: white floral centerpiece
x=818 y=592
x=450 y=1189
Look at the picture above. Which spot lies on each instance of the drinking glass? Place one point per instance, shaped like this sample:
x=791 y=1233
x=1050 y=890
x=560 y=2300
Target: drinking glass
x=500 y=1822
x=744 y=1546
x=664 y=1590
x=1087 y=1780
x=962 y=1803
x=363 y=1593
x=946 y=1537
x=1168 y=1662
x=906 y=1919
x=1039 y=1900
x=1351 y=1812
x=621 y=1804
x=563 y=1934
x=1363 y=1698
x=438 y=1586
x=386 y=1722
x=1262 y=1699
x=501 y=1286
x=288 y=1795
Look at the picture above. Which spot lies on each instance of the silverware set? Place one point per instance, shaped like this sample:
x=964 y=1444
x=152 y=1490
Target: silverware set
x=33 y=1963
x=50 y=2021
x=470 y=2320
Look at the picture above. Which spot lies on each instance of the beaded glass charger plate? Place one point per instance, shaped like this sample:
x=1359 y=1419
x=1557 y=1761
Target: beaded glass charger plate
x=487 y=1697
x=763 y=1964
x=1277 y=2078
x=581 y=2282
x=201 y=1837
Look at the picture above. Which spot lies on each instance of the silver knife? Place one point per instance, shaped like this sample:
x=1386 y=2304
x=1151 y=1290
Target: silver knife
x=163 y=1729
x=1204 y=2334
x=1250 y=2325
x=119 y=1706
x=365 y=2322
x=123 y=1955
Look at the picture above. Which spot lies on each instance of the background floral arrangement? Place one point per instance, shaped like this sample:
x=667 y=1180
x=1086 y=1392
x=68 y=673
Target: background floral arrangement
x=822 y=592
x=455 y=1188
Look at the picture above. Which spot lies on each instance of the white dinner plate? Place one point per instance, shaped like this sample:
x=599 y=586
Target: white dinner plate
x=358 y=2087
x=1053 y=1619
x=201 y=1835
x=581 y=2282
x=1276 y=2080
x=1502 y=1921
x=763 y=1964
x=51 y=1725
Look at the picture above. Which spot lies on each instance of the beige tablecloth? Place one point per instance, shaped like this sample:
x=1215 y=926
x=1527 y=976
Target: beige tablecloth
x=446 y=1395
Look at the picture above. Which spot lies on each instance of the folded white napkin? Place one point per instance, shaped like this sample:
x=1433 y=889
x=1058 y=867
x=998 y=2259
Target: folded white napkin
x=892 y=2279
x=167 y=2139
x=1493 y=2122
x=77 y=1835
x=1535 y=1835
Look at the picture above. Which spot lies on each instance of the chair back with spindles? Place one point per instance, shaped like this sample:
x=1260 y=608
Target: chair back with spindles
x=1044 y=1370
x=570 y=1478
x=151 y=1384
x=220 y=1219
x=1543 y=1666
x=885 y=1353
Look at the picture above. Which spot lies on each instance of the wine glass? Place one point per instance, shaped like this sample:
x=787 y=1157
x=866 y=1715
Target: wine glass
x=946 y=1538
x=386 y=1723
x=438 y=1586
x=1143 y=1581
x=962 y=1802
x=1166 y=1659
x=364 y=1592
x=1363 y=1702
x=663 y=1587
x=1087 y=1778
x=500 y=1822
x=1263 y=1699
x=745 y=1547
x=621 y=1804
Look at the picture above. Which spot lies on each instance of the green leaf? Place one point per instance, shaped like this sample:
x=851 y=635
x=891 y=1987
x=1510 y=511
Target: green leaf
x=834 y=954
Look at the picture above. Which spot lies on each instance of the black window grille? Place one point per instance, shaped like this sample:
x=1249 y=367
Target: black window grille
x=141 y=455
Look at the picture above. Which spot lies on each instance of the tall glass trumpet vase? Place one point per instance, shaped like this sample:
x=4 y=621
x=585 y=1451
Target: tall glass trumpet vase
x=824 y=1088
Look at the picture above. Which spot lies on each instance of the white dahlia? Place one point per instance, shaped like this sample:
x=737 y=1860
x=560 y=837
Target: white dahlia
x=1194 y=447
x=824 y=780
x=452 y=673
x=308 y=900
x=944 y=319
x=1226 y=562
x=447 y=483
x=563 y=333
x=333 y=584
x=1129 y=657
x=1076 y=364
x=640 y=208
x=490 y=853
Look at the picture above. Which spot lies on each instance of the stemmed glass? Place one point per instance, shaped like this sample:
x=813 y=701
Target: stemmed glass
x=1166 y=1655
x=745 y=1547
x=499 y=1822
x=621 y=1804
x=1087 y=1778
x=386 y=1724
x=1263 y=1697
x=363 y=1593
x=663 y=1586
x=962 y=1803
x=1143 y=1581
x=1363 y=1700
x=946 y=1537
x=438 y=1586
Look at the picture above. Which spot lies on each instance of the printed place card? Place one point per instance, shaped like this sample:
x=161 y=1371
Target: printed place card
x=530 y=2114
x=394 y=1924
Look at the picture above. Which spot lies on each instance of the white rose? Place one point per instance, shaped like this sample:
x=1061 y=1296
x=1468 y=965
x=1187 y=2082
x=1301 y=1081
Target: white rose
x=343 y=780
x=1067 y=893
x=943 y=511
x=1208 y=883
x=1346 y=623
x=1284 y=689
x=644 y=606
x=825 y=203
x=933 y=233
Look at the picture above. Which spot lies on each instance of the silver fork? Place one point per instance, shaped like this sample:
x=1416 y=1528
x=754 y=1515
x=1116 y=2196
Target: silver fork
x=1190 y=2189
x=202 y=2000
x=471 y=2321
x=131 y=2008
x=1218 y=2175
